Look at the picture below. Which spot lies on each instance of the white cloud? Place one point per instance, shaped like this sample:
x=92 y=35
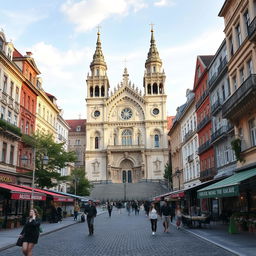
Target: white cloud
x=161 y=3
x=87 y=14
x=16 y=22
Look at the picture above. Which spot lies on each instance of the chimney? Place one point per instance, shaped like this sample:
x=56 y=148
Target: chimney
x=29 y=54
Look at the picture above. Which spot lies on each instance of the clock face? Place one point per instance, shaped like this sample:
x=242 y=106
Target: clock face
x=155 y=111
x=126 y=113
x=96 y=113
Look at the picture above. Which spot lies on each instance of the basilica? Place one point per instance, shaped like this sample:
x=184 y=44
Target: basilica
x=126 y=129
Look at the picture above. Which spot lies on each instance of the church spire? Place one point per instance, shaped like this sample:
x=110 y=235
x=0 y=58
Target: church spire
x=153 y=55
x=98 y=57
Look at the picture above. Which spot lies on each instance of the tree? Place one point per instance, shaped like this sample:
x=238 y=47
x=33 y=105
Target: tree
x=47 y=175
x=168 y=173
x=80 y=185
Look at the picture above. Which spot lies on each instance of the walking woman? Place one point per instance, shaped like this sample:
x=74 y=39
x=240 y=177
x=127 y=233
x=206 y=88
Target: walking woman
x=30 y=232
x=178 y=216
x=110 y=208
x=153 y=218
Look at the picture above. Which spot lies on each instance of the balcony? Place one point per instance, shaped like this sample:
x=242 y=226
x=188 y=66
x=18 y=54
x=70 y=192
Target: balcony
x=202 y=124
x=216 y=106
x=241 y=101
x=16 y=107
x=221 y=70
x=4 y=98
x=252 y=30
x=207 y=174
x=10 y=102
x=10 y=130
x=126 y=147
x=204 y=147
x=202 y=98
x=190 y=158
x=218 y=134
x=188 y=135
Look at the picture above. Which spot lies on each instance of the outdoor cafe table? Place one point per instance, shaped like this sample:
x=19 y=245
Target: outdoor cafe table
x=192 y=220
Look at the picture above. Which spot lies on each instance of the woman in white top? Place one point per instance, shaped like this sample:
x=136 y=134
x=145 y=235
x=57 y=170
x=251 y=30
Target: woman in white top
x=153 y=218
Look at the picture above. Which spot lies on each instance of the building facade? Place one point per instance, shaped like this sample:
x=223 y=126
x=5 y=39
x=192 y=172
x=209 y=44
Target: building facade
x=240 y=32
x=77 y=140
x=203 y=113
x=222 y=129
x=126 y=131
x=189 y=139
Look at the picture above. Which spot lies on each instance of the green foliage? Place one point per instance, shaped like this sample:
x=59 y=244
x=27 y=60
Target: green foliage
x=236 y=146
x=168 y=173
x=79 y=183
x=47 y=174
x=10 y=127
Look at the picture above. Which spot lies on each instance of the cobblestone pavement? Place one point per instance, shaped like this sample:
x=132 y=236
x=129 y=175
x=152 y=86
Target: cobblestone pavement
x=120 y=235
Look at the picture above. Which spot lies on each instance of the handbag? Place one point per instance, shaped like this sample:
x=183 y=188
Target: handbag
x=20 y=241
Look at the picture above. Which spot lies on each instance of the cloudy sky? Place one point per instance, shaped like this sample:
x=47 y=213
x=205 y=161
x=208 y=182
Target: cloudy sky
x=62 y=36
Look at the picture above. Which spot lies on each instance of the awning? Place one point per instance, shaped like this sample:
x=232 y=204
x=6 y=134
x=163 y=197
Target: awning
x=226 y=188
x=56 y=197
x=175 y=194
x=18 y=193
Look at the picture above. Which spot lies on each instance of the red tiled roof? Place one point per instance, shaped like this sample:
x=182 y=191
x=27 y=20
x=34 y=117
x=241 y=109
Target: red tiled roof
x=170 y=120
x=17 y=54
x=206 y=59
x=73 y=123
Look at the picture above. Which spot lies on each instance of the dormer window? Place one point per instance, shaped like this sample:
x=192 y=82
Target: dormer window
x=1 y=44
x=198 y=72
x=78 y=128
x=9 y=54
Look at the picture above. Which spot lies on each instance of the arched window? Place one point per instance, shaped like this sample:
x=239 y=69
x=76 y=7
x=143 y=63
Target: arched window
x=102 y=91
x=155 y=89
x=91 y=91
x=160 y=88
x=97 y=91
x=156 y=141
x=115 y=139
x=149 y=88
x=126 y=137
x=1 y=43
x=96 y=142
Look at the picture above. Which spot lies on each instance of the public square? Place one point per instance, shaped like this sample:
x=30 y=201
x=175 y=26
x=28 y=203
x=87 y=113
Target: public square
x=121 y=235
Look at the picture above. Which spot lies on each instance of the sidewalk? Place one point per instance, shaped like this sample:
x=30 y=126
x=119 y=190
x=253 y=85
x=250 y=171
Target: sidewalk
x=8 y=237
x=243 y=244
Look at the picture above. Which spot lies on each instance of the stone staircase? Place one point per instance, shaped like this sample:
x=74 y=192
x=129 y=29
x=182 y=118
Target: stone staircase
x=128 y=191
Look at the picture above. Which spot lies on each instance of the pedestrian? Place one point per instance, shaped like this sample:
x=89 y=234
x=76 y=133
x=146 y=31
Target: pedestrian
x=146 y=207
x=30 y=232
x=59 y=214
x=166 y=214
x=128 y=208
x=91 y=212
x=153 y=218
x=178 y=214
x=110 y=208
x=76 y=210
x=136 y=208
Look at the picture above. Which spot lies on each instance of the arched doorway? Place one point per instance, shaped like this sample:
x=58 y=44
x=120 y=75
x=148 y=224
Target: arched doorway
x=126 y=169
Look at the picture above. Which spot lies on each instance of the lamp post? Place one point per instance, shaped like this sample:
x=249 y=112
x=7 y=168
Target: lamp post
x=45 y=161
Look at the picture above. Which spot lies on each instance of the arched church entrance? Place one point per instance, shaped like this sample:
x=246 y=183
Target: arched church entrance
x=126 y=169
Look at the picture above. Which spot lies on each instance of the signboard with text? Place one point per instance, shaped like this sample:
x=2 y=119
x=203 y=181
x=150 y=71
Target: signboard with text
x=219 y=192
x=27 y=196
x=7 y=178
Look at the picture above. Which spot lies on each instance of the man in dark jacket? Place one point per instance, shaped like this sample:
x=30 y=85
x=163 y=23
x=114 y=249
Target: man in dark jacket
x=166 y=213
x=91 y=212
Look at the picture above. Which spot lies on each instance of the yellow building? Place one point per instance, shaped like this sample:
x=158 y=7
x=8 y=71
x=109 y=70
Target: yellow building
x=240 y=108
x=46 y=112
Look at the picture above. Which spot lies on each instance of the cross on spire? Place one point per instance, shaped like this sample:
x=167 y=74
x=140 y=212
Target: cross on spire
x=152 y=26
x=98 y=27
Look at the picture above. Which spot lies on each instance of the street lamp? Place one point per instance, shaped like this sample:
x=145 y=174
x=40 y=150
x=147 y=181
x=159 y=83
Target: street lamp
x=24 y=160
x=178 y=173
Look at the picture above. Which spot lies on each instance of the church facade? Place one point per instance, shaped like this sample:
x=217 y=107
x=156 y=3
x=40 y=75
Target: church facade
x=126 y=130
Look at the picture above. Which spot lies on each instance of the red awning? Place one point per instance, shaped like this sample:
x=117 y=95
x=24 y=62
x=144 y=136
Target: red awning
x=56 y=197
x=18 y=193
x=176 y=195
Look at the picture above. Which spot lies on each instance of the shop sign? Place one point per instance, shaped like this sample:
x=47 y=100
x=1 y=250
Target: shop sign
x=63 y=199
x=23 y=196
x=177 y=195
x=220 y=192
x=7 y=178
